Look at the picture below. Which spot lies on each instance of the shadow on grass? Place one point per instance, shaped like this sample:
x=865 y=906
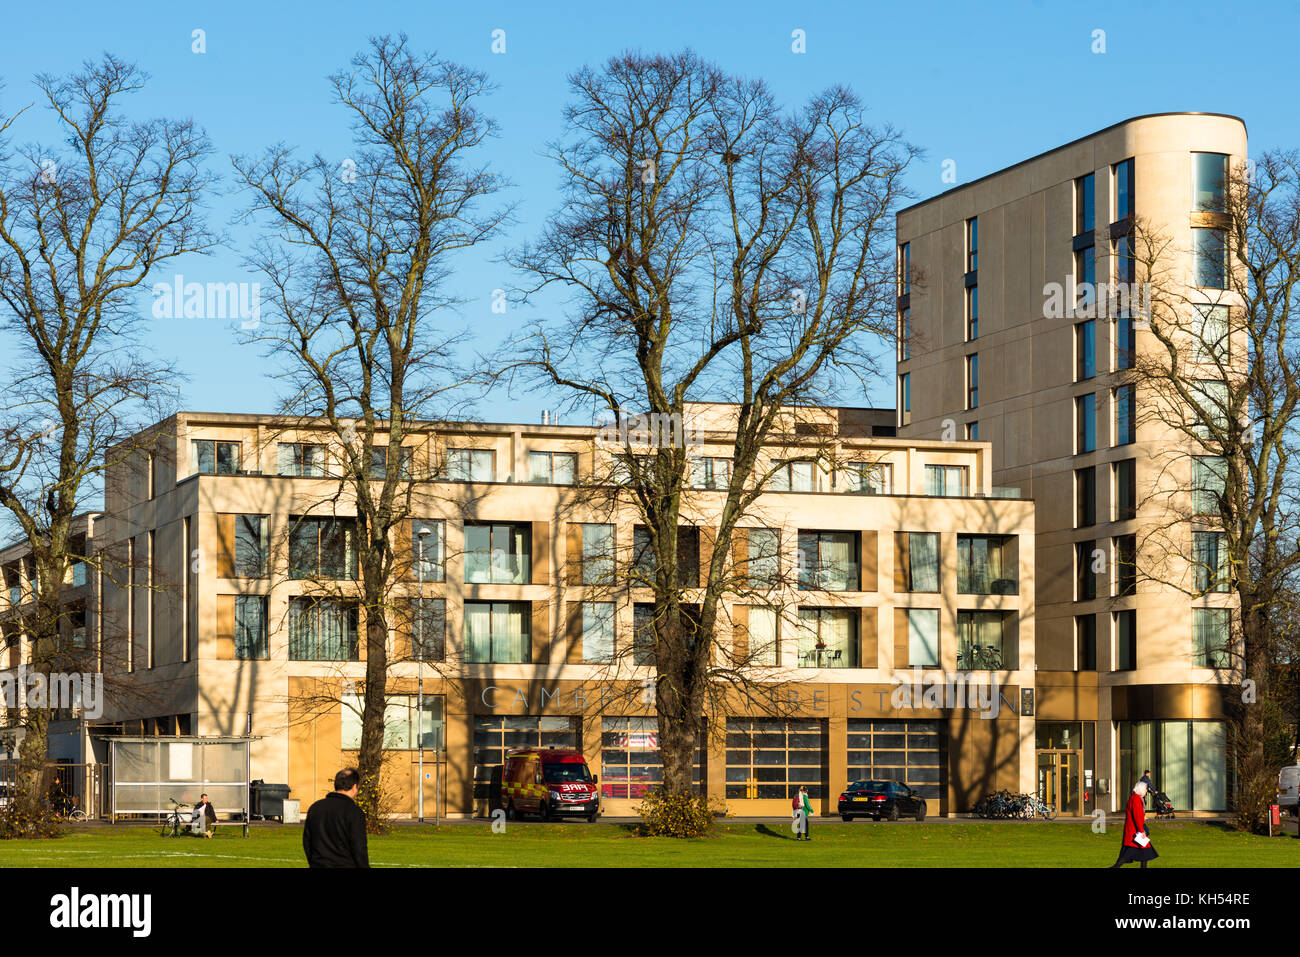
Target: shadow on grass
x=765 y=831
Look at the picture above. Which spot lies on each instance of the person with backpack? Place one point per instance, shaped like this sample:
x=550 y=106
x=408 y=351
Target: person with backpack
x=802 y=805
x=1136 y=845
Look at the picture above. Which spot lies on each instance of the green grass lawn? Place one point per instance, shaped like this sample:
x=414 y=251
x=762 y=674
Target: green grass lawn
x=737 y=843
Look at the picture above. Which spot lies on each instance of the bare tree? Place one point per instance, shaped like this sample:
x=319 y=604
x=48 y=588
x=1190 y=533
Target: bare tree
x=1223 y=376
x=82 y=225
x=358 y=262
x=715 y=247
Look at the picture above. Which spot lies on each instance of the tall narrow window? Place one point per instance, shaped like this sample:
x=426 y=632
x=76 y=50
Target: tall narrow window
x=427 y=549
x=1125 y=477
x=1085 y=280
x=1125 y=262
x=1125 y=640
x=905 y=334
x=1125 y=341
x=920 y=561
x=1125 y=415
x=1085 y=350
x=973 y=382
x=1211 y=252
x=923 y=637
x=1085 y=640
x=1085 y=422
x=1124 y=192
x=1085 y=206
x=1210 y=561
x=972 y=313
x=597 y=631
x=972 y=244
x=1085 y=579
x=1211 y=637
x=251 y=546
x=905 y=269
x=250 y=627
x=905 y=397
x=1125 y=561
x=1210 y=342
x=1209 y=479
x=1085 y=497
x=1211 y=174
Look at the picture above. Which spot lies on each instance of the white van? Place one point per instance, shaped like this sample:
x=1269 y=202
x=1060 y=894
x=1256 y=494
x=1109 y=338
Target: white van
x=1288 y=789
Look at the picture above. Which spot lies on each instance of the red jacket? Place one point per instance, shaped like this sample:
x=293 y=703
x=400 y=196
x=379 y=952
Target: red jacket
x=1135 y=819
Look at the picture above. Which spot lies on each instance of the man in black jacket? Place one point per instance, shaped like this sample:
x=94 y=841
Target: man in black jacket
x=334 y=834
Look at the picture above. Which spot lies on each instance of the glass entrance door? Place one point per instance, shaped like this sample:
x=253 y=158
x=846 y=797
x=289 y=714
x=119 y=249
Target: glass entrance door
x=1058 y=781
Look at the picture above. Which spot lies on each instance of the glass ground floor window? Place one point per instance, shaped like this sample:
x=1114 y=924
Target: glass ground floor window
x=494 y=735
x=1187 y=760
x=773 y=757
x=630 y=766
x=906 y=751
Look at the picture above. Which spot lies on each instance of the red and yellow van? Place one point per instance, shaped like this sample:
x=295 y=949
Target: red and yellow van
x=548 y=782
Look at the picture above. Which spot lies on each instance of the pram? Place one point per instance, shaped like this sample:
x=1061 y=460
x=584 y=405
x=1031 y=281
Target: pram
x=1161 y=806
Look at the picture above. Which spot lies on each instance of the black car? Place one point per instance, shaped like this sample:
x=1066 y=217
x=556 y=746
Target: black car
x=877 y=799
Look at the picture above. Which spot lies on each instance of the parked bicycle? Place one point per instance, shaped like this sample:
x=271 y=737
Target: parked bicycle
x=1002 y=805
x=174 y=824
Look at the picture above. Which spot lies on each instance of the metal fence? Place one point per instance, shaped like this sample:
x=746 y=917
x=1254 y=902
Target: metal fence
x=66 y=786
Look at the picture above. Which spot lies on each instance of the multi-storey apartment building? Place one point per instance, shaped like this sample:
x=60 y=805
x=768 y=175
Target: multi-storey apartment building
x=226 y=597
x=986 y=352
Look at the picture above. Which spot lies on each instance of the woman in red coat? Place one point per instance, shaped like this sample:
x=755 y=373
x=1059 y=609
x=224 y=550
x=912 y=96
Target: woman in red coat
x=1135 y=826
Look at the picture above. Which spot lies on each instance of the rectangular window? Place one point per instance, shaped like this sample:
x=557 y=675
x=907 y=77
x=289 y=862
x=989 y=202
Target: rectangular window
x=494 y=735
x=550 y=468
x=905 y=397
x=300 y=459
x=597 y=631
x=428 y=544
x=597 y=554
x=498 y=554
x=630 y=762
x=972 y=244
x=498 y=632
x=1210 y=342
x=923 y=637
x=796 y=476
x=471 y=465
x=250 y=627
x=1125 y=640
x=1211 y=398
x=1125 y=559
x=1211 y=175
x=763 y=635
x=645 y=562
x=828 y=638
x=972 y=431
x=400 y=722
x=905 y=269
x=868 y=478
x=920 y=561
x=1085 y=579
x=643 y=634
x=1124 y=192
x=710 y=473
x=981 y=642
x=905 y=334
x=828 y=561
x=973 y=382
x=1125 y=478
x=379 y=462
x=1209 y=483
x=903 y=751
x=1211 y=251
x=972 y=313
x=322 y=548
x=1211 y=638
x=1210 y=555
x=428 y=629
x=1125 y=401
x=1085 y=422
x=1125 y=342
x=211 y=457
x=251 y=546
x=1125 y=263
x=322 y=630
x=1085 y=642
x=1085 y=279
x=764 y=566
x=771 y=758
x=1085 y=497
x=985 y=565
x=946 y=480
x=1085 y=350
x=1085 y=206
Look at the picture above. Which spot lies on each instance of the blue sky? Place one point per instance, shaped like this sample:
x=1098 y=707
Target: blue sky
x=983 y=85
